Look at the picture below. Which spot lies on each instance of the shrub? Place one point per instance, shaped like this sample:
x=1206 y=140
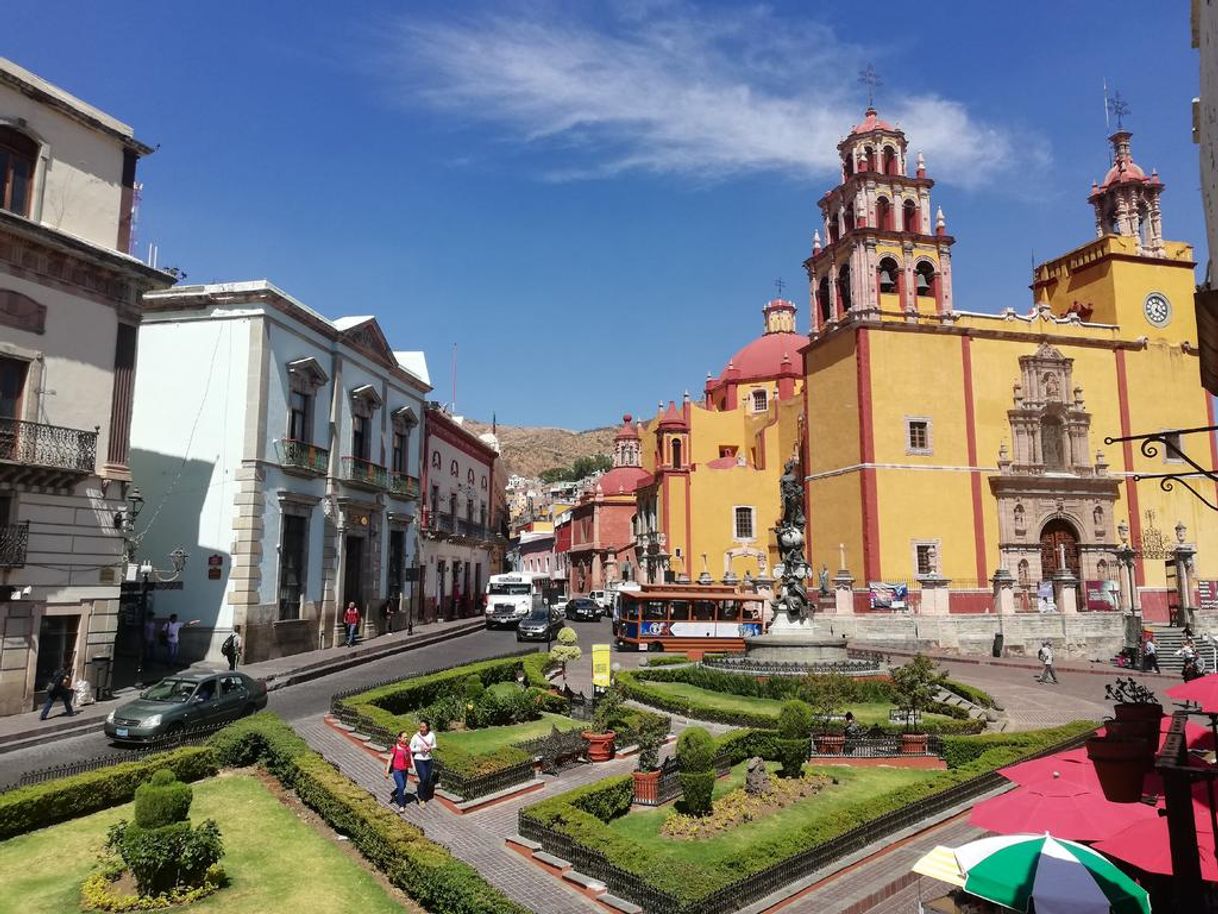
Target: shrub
x=472 y=688
x=535 y=668
x=697 y=788
x=795 y=720
x=39 y=805
x=566 y=651
x=916 y=684
x=696 y=750
x=650 y=738
x=606 y=709
x=971 y=693
x=162 y=801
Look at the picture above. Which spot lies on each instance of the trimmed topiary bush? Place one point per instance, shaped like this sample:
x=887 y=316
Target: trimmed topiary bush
x=794 y=732
x=696 y=754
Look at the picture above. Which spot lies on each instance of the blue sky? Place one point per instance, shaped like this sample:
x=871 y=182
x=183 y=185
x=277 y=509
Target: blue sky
x=594 y=200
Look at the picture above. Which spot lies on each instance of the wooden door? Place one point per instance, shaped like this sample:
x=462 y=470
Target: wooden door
x=1058 y=532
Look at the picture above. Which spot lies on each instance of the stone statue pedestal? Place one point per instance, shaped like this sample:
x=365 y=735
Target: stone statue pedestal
x=935 y=595
x=1004 y=592
x=843 y=593
x=1065 y=591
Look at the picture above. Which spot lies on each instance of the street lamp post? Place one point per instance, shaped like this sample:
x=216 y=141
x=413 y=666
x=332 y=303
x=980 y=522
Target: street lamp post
x=145 y=571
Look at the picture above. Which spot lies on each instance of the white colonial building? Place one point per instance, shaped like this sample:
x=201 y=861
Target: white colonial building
x=281 y=449
x=69 y=312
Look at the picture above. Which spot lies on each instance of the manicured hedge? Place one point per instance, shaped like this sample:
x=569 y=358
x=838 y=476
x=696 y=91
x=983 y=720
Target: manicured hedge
x=971 y=693
x=40 y=805
x=427 y=872
x=582 y=815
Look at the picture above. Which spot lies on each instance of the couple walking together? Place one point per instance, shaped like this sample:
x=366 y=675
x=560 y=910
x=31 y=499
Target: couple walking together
x=407 y=751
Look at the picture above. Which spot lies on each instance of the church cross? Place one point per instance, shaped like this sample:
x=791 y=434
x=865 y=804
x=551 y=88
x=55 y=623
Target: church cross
x=1118 y=108
x=779 y=285
x=871 y=79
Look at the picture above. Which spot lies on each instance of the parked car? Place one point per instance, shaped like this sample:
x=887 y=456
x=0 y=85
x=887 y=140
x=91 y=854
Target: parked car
x=184 y=701
x=539 y=625
x=602 y=598
x=583 y=609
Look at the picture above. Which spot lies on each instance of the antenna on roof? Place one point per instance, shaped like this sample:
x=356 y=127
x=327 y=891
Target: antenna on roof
x=454 y=400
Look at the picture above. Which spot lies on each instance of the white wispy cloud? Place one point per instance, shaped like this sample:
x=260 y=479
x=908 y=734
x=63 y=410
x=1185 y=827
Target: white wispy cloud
x=661 y=87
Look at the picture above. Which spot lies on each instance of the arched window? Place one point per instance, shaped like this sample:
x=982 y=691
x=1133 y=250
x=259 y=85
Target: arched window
x=883 y=214
x=868 y=159
x=453 y=469
x=435 y=459
x=823 y=301
x=848 y=217
x=909 y=216
x=925 y=278
x=1052 y=443
x=835 y=230
x=888 y=275
x=1024 y=573
x=890 y=160
x=676 y=452
x=469 y=476
x=843 y=287
x=18 y=153
x=760 y=401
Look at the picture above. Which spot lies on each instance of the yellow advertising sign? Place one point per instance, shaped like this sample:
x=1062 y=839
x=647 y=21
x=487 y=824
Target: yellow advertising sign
x=602 y=675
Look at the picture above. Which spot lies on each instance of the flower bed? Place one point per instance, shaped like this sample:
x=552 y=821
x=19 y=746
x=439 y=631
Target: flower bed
x=584 y=826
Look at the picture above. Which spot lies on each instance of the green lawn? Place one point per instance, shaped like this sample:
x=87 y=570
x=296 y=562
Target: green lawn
x=276 y=864
x=855 y=785
x=488 y=739
x=866 y=713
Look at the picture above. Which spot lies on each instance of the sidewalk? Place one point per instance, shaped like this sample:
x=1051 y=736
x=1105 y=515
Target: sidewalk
x=20 y=730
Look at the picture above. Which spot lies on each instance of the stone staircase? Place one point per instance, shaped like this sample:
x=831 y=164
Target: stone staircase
x=1168 y=640
x=975 y=712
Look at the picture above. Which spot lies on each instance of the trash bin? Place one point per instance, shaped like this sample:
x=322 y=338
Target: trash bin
x=102 y=667
x=997 y=649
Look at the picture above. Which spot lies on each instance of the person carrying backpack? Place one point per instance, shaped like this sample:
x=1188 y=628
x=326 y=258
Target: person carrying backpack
x=59 y=687
x=232 y=647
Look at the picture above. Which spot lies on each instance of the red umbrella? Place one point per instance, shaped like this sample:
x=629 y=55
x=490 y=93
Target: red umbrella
x=1071 y=766
x=1145 y=844
x=1067 y=809
x=1202 y=692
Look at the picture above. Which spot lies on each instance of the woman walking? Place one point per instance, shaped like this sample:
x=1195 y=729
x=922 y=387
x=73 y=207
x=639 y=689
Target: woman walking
x=422 y=744
x=398 y=765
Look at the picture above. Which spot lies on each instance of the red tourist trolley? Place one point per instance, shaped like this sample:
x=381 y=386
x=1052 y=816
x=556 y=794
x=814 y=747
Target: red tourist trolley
x=686 y=619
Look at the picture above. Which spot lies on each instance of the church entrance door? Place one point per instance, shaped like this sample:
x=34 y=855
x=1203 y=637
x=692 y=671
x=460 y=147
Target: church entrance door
x=1058 y=532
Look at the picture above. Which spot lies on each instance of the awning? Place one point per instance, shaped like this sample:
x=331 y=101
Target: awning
x=940 y=864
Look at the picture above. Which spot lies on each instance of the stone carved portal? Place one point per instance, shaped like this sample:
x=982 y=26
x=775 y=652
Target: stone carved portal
x=1050 y=491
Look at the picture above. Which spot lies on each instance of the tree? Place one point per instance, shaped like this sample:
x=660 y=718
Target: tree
x=915 y=685
x=566 y=651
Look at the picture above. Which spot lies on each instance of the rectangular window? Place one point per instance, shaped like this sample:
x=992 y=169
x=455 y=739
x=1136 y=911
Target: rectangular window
x=1173 y=449
x=400 y=450
x=120 y=396
x=744 y=523
x=728 y=450
x=397 y=563
x=435 y=500
x=359 y=437
x=292 y=565
x=760 y=401
x=917 y=436
x=299 y=411
x=924 y=559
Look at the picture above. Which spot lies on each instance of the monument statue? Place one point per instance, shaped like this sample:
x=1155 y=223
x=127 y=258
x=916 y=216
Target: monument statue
x=824 y=580
x=792 y=595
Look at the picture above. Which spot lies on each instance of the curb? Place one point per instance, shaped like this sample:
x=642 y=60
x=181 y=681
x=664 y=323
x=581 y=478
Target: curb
x=25 y=738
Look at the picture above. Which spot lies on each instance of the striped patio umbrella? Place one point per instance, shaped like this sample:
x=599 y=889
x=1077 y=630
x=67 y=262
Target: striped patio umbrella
x=1060 y=876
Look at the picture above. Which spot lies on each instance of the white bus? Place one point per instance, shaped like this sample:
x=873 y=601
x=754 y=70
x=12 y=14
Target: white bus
x=510 y=597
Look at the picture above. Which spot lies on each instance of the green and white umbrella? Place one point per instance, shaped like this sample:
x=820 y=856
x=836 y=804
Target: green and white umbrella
x=1060 y=877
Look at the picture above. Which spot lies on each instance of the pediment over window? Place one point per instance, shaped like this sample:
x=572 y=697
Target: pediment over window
x=21 y=312
x=368 y=336
x=365 y=400
x=404 y=417
x=306 y=374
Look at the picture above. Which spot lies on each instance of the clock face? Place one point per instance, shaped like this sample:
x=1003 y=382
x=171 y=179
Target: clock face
x=1158 y=309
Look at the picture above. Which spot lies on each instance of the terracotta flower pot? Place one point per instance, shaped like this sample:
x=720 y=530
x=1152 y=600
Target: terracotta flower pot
x=829 y=743
x=646 y=786
x=1145 y=730
x=1120 y=764
x=600 y=745
x=913 y=744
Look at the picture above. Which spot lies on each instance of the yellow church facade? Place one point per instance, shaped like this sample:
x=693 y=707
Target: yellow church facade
x=963 y=453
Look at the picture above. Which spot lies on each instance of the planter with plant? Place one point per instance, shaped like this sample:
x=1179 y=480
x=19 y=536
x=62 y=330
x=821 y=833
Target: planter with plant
x=651 y=736
x=915 y=685
x=828 y=697
x=696 y=756
x=1126 y=751
x=794 y=730
x=1133 y=701
x=566 y=651
x=600 y=738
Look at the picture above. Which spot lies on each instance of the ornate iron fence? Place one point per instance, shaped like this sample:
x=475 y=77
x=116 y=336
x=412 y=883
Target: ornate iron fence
x=403 y=486
x=54 y=446
x=669 y=786
x=559 y=750
x=887 y=746
x=13 y=541
x=751 y=666
x=365 y=472
x=302 y=456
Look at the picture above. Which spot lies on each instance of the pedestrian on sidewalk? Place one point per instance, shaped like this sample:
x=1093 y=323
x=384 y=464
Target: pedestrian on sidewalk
x=233 y=647
x=1046 y=657
x=172 y=631
x=59 y=688
x=422 y=744
x=1150 y=655
x=351 y=620
x=150 y=637
x=397 y=765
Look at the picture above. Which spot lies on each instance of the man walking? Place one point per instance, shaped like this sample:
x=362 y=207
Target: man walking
x=172 y=631
x=232 y=647
x=351 y=620
x=1046 y=657
x=59 y=688
x=1150 y=655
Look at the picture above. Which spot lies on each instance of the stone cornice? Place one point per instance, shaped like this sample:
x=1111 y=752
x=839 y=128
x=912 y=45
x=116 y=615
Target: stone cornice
x=441 y=426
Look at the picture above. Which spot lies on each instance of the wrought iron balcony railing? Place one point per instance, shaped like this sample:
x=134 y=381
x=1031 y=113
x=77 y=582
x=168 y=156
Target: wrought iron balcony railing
x=14 y=538
x=365 y=473
x=50 y=446
x=298 y=455
x=403 y=486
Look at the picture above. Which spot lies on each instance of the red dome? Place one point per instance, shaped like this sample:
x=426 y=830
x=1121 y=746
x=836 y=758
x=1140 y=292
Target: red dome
x=762 y=359
x=871 y=121
x=1130 y=172
x=621 y=480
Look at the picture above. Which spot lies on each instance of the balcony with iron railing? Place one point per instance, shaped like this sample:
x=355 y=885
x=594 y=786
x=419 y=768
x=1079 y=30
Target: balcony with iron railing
x=402 y=485
x=365 y=474
x=303 y=458
x=14 y=539
x=49 y=455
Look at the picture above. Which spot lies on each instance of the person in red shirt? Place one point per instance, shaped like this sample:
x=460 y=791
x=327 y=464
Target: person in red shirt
x=398 y=765
x=351 y=620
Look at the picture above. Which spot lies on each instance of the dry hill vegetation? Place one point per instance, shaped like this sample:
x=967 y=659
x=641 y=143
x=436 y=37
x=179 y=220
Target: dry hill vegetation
x=527 y=450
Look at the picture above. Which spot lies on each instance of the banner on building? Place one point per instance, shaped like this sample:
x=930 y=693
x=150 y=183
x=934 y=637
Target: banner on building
x=889 y=596
x=1102 y=596
x=1207 y=593
x=602 y=673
